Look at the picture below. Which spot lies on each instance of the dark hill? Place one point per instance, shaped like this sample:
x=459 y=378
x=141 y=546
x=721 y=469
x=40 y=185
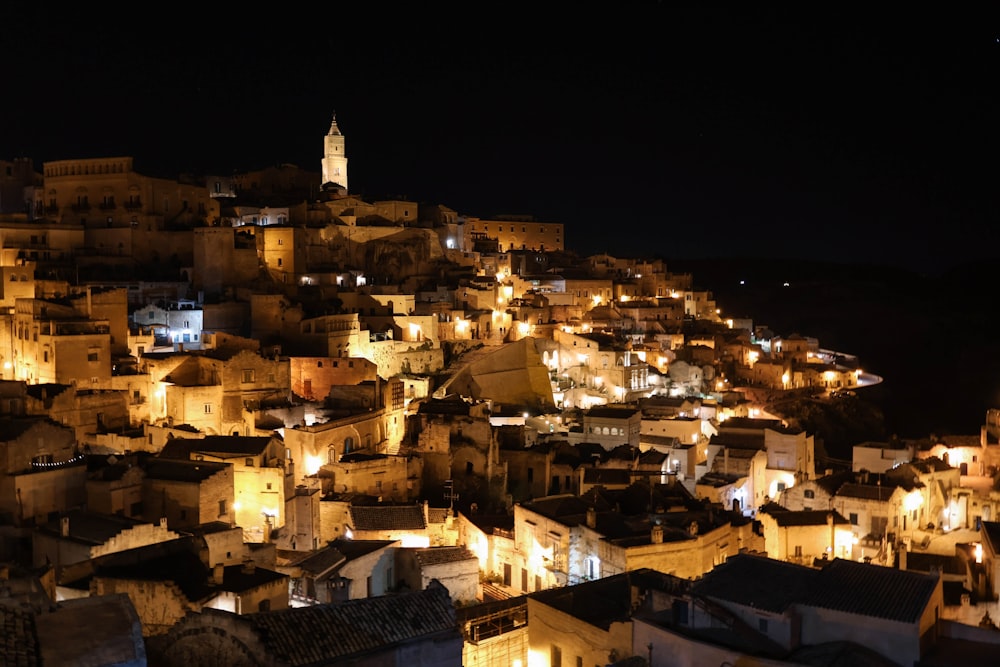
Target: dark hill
x=930 y=336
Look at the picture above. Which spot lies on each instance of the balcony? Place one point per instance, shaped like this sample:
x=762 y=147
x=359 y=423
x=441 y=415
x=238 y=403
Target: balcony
x=108 y=206
x=133 y=205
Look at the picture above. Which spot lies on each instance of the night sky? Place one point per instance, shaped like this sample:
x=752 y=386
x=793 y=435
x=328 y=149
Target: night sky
x=694 y=132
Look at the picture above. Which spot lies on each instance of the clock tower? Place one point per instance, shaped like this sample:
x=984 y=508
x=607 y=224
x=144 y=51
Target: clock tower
x=334 y=157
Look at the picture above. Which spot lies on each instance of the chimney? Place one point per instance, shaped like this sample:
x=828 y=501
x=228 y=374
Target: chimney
x=591 y=517
x=64 y=529
x=163 y=522
x=656 y=534
x=218 y=574
x=902 y=556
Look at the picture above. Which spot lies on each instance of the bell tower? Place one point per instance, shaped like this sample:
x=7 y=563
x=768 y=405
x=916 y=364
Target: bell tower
x=334 y=157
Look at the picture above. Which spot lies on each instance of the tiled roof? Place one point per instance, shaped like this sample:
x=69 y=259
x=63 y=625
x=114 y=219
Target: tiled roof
x=871 y=590
x=559 y=507
x=438 y=555
x=357 y=548
x=830 y=483
x=917 y=561
x=338 y=632
x=866 y=491
x=320 y=561
x=750 y=581
x=182 y=471
x=178 y=448
x=739 y=440
x=168 y=564
x=387 y=517
x=20 y=644
x=607 y=600
x=437 y=514
x=661 y=441
x=750 y=423
x=605 y=412
x=246 y=577
x=808 y=518
x=91 y=527
x=80 y=630
x=232 y=444
x=842 y=585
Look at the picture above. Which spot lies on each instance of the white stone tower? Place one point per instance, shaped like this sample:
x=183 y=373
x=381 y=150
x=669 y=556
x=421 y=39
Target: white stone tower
x=334 y=157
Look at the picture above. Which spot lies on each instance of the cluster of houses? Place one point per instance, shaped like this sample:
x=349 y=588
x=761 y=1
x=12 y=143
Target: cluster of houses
x=283 y=429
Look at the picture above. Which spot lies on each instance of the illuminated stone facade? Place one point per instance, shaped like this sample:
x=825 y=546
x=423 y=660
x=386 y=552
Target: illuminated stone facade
x=212 y=390
x=55 y=342
x=334 y=164
x=516 y=234
x=107 y=192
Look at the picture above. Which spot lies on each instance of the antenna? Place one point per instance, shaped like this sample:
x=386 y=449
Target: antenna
x=449 y=493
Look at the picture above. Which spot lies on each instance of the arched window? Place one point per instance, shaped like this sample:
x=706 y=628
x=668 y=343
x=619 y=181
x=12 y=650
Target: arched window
x=348 y=444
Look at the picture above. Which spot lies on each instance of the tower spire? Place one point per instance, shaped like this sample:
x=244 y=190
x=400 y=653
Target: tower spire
x=334 y=157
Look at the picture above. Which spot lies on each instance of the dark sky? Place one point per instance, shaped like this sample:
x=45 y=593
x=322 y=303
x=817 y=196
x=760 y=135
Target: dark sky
x=647 y=130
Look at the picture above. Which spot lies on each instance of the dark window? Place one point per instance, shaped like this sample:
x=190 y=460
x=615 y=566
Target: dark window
x=809 y=493
x=854 y=518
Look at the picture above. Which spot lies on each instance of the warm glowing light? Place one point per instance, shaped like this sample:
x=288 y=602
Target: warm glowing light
x=523 y=328
x=312 y=464
x=913 y=501
x=237 y=506
x=979 y=552
x=597 y=299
